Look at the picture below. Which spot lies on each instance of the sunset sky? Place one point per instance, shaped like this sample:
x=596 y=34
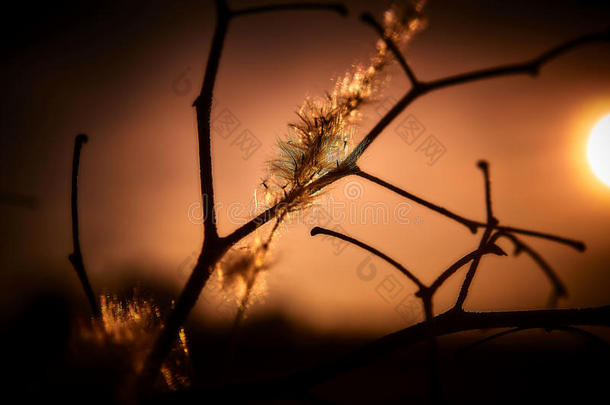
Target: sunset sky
x=127 y=74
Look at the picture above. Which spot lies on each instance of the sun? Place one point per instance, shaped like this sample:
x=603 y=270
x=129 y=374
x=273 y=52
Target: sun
x=598 y=150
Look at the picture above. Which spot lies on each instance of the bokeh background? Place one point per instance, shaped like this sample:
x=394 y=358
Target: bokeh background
x=126 y=74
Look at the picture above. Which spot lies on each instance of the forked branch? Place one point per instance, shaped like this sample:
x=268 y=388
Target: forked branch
x=472 y=225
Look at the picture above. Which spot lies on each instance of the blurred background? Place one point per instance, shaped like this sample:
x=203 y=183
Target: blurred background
x=127 y=73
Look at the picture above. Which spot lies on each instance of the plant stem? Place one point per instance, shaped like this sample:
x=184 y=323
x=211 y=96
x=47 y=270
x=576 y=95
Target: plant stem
x=76 y=258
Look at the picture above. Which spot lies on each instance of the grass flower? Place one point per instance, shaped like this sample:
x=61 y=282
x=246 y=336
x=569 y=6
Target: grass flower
x=125 y=333
x=316 y=150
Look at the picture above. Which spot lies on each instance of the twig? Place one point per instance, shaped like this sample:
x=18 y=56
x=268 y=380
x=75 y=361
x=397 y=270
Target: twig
x=570 y=329
x=491 y=223
x=415 y=93
x=559 y=289
x=444 y=324
x=76 y=258
x=213 y=245
x=531 y=67
x=472 y=225
x=486 y=339
x=370 y=20
x=489 y=248
x=318 y=230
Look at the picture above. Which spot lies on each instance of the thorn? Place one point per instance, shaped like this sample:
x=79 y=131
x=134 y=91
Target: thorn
x=495 y=249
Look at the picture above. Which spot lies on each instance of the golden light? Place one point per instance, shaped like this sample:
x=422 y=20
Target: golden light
x=598 y=150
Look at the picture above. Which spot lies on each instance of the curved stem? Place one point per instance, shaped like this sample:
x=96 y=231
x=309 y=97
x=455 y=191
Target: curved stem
x=76 y=258
x=318 y=230
x=559 y=289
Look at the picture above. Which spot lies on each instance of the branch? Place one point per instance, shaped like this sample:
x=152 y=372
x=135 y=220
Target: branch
x=570 y=329
x=489 y=248
x=443 y=324
x=76 y=258
x=459 y=321
x=211 y=251
x=469 y=223
x=531 y=67
x=203 y=107
x=558 y=287
x=486 y=339
x=412 y=95
x=337 y=7
x=318 y=230
x=370 y=20
x=491 y=223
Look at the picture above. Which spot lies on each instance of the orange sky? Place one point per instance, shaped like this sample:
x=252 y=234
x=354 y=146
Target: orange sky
x=131 y=92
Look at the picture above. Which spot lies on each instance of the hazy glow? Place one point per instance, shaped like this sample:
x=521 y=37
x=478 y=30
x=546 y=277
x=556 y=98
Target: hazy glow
x=598 y=150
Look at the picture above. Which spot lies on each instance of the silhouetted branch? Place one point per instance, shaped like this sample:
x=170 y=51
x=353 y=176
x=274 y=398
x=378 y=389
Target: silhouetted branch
x=444 y=324
x=488 y=248
x=213 y=246
x=592 y=337
x=486 y=339
x=211 y=251
x=469 y=223
x=203 y=107
x=318 y=230
x=459 y=321
x=76 y=258
x=570 y=329
x=370 y=20
x=531 y=67
x=491 y=223
x=337 y=7
x=559 y=289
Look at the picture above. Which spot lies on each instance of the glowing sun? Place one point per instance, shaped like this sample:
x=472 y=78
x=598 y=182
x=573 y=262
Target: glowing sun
x=598 y=150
